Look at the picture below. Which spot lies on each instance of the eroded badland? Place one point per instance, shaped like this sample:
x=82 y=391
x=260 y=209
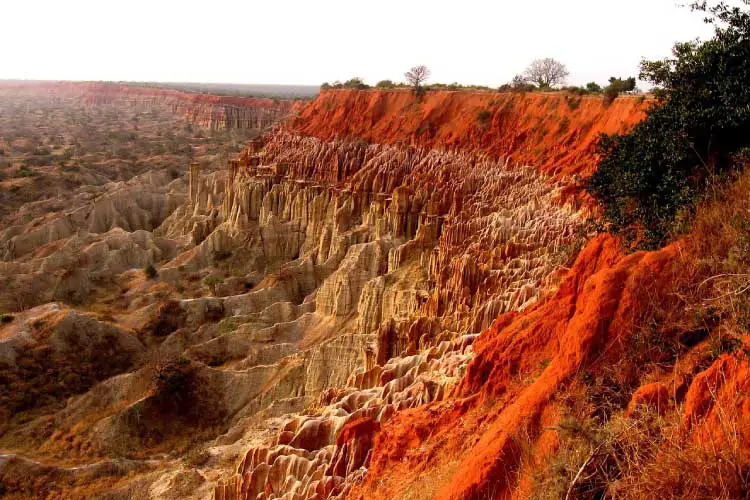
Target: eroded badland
x=379 y=296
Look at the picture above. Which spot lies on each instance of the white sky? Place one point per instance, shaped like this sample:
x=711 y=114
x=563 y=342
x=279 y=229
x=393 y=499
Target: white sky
x=308 y=42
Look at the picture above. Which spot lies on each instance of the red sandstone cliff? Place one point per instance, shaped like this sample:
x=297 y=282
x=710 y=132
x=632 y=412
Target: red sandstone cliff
x=553 y=132
x=495 y=431
x=472 y=199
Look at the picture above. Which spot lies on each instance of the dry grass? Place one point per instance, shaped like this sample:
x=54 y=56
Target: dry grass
x=702 y=313
x=645 y=456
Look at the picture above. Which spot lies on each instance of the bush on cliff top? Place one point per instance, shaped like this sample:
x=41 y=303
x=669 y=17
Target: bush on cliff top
x=649 y=179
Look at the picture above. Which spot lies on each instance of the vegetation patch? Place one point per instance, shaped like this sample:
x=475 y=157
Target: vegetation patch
x=649 y=179
x=483 y=117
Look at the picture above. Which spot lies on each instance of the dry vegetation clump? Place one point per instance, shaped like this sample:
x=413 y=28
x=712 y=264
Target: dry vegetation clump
x=180 y=413
x=42 y=375
x=50 y=148
x=644 y=455
x=610 y=448
x=169 y=317
x=21 y=479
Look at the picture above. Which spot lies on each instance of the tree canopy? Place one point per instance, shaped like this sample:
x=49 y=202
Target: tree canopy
x=648 y=180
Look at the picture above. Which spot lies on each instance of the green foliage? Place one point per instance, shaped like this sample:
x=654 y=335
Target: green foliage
x=213 y=280
x=576 y=90
x=593 y=87
x=355 y=83
x=484 y=116
x=27 y=172
x=455 y=86
x=385 y=84
x=618 y=86
x=325 y=86
x=573 y=103
x=649 y=178
x=520 y=84
x=150 y=271
x=719 y=344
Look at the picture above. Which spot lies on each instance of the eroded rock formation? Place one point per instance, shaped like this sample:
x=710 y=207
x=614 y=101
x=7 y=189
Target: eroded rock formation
x=412 y=252
x=210 y=111
x=341 y=274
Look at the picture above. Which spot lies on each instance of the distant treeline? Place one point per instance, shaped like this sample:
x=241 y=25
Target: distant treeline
x=615 y=87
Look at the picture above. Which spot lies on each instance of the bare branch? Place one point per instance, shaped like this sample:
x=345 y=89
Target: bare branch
x=546 y=73
x=417 y=76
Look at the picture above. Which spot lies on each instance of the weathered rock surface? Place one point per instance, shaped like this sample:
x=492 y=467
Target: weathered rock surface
x=349 y=282
x=406 y=262
x=210 y=111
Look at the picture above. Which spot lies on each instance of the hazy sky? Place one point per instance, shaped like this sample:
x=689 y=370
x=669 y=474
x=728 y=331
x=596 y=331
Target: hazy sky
x=308 y=42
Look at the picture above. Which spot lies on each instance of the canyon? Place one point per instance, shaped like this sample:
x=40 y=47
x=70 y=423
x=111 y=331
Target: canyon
x=380 y=296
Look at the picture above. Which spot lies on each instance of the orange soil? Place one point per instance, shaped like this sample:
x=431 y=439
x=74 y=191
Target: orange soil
x=553 y=131
x=473 y=441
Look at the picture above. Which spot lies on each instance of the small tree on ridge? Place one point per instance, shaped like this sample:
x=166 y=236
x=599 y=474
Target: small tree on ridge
x=546 y=73
x=417 y=76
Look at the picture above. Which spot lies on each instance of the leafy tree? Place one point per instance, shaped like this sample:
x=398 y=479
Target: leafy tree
x=417 y=76
x=593 y=87
x=546 y=73
x=617 y=86
x=325 y=86
x=519 y=84
x=355 y=83
x=385 y=84
x=626 y=85
x=649 y=179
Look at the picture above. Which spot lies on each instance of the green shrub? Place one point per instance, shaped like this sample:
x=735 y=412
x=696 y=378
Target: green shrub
x=573 y=102
x=355 y=83
x=484 y=116
x=520 y=84
x=385 y=84
x=26 y=172
x=212 y=282
x=650 y=178
x=593 y=87
x=577 y=91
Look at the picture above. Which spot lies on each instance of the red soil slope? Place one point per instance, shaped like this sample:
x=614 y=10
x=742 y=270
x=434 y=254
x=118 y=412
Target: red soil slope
x=477 y=443
x=554 y=132
x=473 y=441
